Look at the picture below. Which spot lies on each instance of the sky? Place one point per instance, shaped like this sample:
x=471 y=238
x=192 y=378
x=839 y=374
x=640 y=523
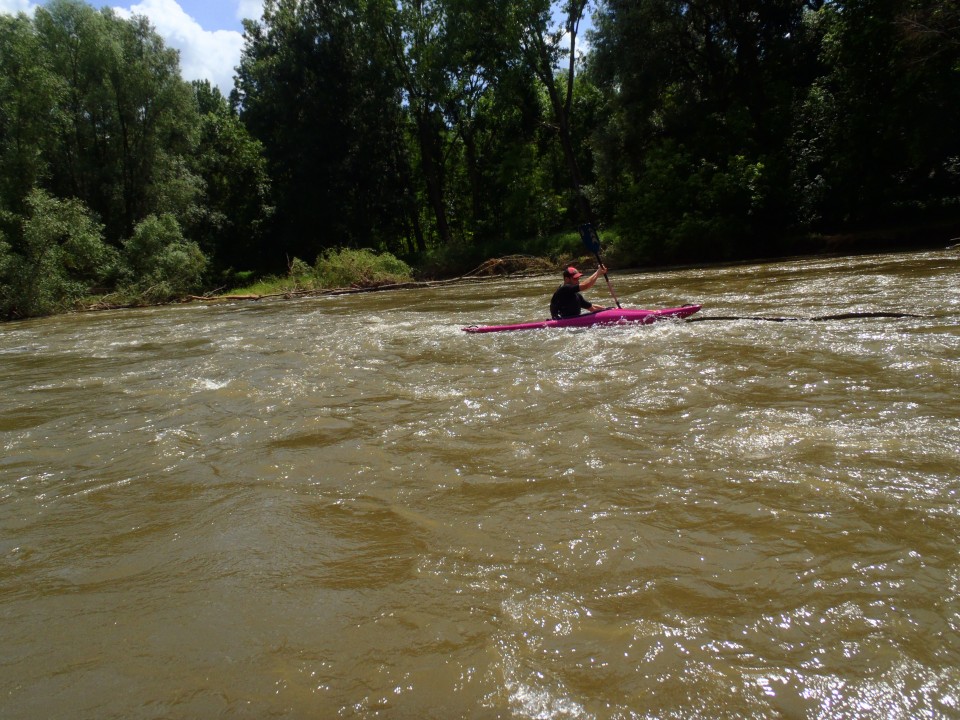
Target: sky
x=208 y=33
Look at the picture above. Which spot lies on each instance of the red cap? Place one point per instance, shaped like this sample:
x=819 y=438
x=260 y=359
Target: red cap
x=572 y=272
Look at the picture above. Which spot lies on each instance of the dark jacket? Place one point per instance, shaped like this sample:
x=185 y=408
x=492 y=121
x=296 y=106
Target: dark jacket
x=567 y=302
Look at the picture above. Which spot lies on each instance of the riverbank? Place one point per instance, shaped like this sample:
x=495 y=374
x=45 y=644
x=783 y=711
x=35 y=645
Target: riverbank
x=886 y=239
x=300 y=282
x=294 y=287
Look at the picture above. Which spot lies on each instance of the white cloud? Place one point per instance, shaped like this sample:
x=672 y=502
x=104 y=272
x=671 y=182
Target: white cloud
x=204 y=54
x=12 y=7
x=583 y=47
x=252 y=9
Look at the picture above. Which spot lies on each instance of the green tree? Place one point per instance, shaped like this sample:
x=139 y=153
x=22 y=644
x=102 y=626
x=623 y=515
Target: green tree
x=416 y=37
x=57 y=258
x=872 y=144
x=509 y=125
x=162 y=265
x=699 y=93
x=231 y=223
x=314 y=89
x=506 y=163
x=502 y=141
x=29 y=105
x=128 y=117
x=543 y=51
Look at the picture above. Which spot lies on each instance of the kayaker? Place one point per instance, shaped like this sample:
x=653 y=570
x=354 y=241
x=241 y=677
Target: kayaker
x=568 y=301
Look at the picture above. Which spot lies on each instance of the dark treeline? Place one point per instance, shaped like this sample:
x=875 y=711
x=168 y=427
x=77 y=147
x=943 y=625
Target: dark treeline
x=445 y=132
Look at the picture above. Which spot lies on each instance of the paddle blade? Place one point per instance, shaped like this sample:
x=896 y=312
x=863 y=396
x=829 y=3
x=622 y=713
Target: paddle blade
x=590 y=238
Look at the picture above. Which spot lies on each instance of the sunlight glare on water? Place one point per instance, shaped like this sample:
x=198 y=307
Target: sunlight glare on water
x=346 y=507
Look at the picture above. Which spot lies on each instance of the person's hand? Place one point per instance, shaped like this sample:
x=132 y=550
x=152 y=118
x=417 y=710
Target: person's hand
x=601 y=270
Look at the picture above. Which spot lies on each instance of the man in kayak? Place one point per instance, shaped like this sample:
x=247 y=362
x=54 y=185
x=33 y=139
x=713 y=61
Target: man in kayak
x=568 y=301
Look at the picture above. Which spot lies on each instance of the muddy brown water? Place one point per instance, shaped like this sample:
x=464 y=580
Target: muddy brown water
x=347 y=507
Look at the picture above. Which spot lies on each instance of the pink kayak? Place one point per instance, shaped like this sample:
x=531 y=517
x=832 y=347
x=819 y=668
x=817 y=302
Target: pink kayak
x=610 y=316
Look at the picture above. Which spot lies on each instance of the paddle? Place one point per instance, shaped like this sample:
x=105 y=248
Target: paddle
x=589 y=236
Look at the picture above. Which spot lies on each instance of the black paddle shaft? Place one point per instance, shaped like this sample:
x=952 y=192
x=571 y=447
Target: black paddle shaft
x=590 y=238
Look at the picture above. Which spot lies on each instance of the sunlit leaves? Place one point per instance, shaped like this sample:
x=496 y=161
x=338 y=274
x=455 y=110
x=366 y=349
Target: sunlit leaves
x=58 y=255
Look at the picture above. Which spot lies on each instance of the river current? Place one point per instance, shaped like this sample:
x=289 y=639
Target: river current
x=345 y=507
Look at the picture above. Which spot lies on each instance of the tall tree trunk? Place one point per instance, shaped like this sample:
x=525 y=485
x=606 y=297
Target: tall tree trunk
x=473 y=173
x=542 y=61
x=410 y=199
x=432 y=172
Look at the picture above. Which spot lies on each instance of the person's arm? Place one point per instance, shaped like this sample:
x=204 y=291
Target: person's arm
x=591 y=281
x=587 y=305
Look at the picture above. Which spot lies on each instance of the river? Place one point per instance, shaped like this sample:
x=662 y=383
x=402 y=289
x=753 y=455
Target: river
x=346 y=507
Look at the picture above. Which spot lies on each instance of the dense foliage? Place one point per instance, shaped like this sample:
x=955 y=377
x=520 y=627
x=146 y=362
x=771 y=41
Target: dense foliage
x=444 y=132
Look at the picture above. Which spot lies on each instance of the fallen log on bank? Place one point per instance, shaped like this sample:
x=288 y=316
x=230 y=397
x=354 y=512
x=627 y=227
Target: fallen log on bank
x=509 y=266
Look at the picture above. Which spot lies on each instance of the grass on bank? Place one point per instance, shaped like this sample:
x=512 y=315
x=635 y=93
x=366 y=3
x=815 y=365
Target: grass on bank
x=333 y=269
x=349 y=268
